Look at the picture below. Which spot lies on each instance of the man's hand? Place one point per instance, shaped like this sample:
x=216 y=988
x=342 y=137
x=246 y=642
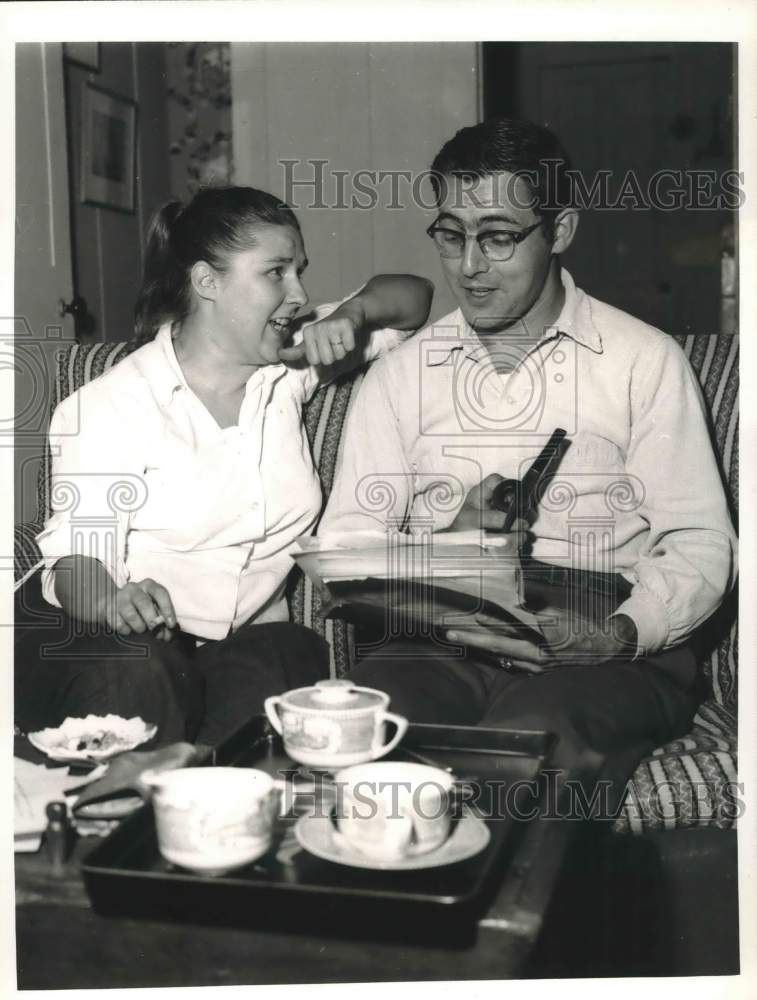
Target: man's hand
x=330 y=340
x=477 y=513
x=568 y=641
x=140 y=606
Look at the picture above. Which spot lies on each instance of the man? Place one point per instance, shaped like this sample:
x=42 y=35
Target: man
x=473 y=399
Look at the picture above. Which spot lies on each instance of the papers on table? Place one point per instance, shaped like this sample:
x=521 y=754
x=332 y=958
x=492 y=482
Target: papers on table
x=34 y=787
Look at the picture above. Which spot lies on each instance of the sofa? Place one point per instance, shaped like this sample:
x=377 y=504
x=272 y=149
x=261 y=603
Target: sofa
x=690 y=783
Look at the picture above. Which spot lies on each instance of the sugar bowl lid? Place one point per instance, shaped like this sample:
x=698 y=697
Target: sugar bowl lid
x=336 y=696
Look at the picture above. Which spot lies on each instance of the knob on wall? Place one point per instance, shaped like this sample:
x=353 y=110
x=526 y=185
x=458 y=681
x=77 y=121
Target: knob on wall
x=84 y=321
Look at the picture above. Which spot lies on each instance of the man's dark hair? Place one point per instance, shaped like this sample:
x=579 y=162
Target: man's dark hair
x=508 y=145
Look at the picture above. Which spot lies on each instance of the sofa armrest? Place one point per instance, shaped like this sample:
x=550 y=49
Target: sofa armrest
x=325 y=416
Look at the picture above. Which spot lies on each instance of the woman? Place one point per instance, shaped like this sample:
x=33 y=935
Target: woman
x=182 y=476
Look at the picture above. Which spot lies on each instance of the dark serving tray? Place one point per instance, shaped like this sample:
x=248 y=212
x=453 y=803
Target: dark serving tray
x=289 y=888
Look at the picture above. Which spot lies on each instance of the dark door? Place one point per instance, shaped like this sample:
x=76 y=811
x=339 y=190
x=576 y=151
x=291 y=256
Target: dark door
x=634 y=109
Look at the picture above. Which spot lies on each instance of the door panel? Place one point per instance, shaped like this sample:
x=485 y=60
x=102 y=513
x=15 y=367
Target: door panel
x=641 y=107
x=618 y=250
x=42 y=254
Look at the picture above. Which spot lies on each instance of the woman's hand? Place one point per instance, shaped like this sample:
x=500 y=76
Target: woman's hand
x=394 y=301
x=141 y=606
x=330 y=340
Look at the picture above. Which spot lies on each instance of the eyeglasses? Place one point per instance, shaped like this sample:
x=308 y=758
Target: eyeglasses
x=495 y=244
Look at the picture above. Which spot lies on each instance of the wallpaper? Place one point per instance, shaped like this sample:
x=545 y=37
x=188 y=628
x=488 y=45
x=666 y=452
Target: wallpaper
x=199 y=114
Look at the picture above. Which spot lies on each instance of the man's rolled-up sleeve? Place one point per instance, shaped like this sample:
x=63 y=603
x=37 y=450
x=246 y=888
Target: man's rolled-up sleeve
x=689 y=560
x=96 y=483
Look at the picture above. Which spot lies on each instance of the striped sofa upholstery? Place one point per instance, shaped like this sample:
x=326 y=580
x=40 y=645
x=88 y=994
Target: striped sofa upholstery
x=689 y=782
x=692 y=782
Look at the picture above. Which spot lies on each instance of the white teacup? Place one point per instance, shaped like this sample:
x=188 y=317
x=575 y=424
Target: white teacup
x=213 y=819
x=334 y=723
x=391 y=810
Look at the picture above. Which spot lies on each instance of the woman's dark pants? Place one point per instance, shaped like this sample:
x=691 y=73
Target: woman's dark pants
x=64 y=668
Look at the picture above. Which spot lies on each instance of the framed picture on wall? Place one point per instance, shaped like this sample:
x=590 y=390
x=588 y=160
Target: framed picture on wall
x=109 y=124
x=86 y=54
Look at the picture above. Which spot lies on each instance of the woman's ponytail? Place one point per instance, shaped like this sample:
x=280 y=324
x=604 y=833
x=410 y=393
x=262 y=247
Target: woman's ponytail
x=163 y=294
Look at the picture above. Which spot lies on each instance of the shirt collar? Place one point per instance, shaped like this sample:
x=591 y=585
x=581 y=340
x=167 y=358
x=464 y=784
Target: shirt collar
x=167 y=378
x=575 y=321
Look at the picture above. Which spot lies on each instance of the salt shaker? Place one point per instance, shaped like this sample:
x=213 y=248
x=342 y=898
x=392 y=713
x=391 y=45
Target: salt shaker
x=56 y=836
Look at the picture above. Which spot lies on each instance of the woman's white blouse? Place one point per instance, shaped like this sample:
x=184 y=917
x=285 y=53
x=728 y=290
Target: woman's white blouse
x=146 y=481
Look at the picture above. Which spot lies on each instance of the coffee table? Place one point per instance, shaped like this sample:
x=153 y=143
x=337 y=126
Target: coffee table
x=62 y=943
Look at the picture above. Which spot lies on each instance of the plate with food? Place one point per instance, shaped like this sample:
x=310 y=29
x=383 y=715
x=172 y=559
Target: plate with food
x=92 y=739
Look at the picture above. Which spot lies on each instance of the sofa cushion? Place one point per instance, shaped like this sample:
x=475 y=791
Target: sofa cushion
x=689 y=782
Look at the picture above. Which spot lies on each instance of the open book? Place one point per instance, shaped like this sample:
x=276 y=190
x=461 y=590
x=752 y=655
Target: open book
x=410 y=583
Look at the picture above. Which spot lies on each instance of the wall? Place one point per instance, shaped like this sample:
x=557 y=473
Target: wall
x=358 y=107
x=107 y=244
x=64 y=246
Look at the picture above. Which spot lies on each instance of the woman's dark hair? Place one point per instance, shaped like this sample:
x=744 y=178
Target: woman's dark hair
x=509 y=145
x=217 y=222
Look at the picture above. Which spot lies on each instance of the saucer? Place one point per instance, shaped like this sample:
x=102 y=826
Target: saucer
x=316 y=834
x=89 y=741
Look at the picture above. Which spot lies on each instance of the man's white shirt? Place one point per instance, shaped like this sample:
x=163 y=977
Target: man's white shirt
x=638 y=492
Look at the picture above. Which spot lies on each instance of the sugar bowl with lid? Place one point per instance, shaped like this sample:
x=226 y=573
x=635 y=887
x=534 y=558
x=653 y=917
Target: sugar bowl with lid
x=335 y=723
